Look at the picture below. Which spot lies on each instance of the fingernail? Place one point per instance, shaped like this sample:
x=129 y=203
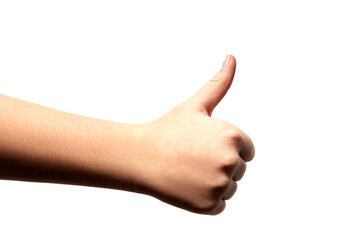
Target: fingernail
x=227 y=60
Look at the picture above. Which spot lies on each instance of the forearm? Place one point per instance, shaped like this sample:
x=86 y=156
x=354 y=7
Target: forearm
x=43 y=144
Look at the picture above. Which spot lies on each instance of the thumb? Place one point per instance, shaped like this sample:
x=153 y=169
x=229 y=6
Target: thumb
x=213 y=91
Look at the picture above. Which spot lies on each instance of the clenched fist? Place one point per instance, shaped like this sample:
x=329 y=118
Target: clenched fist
x=185 y=158
x=192 y=160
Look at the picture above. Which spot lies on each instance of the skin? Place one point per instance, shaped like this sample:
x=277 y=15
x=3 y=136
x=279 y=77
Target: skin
x=185 y=158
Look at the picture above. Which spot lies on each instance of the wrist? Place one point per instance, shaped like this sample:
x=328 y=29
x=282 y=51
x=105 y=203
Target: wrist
x=126 y=157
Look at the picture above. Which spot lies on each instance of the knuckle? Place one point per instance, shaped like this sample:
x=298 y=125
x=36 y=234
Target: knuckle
x=214 y=83
x=231 y=131
x=219 y=209
x=230 y=192
x=221 y=183
x=215 y=79
x=240 y=171
x=252 y=152
x=208 y=205
x=231 y=161
x=234 y=133
x=242 y=165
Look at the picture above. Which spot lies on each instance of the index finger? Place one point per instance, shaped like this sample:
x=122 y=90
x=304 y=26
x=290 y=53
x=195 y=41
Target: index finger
x=246 y=147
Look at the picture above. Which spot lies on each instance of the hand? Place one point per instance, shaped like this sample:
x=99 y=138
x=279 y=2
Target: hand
x=192 y=160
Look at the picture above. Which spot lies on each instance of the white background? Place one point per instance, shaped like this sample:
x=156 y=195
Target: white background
x=296 y=94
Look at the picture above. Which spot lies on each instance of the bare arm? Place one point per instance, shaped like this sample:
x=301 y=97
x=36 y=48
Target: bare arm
x=43 y=144
x=185 y=158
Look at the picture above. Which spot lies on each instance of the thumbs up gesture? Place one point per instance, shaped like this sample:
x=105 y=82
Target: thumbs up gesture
x=193 y=161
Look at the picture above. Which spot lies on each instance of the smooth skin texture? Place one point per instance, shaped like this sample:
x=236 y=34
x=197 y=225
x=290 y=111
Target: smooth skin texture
x=185 y=158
